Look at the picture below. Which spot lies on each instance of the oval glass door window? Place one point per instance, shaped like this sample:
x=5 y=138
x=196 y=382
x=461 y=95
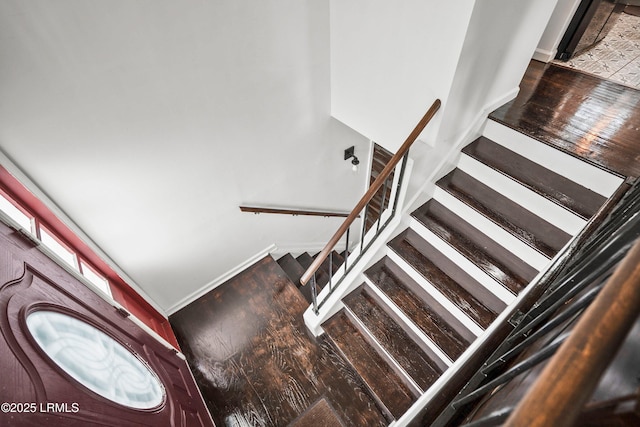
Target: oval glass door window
x=96 y=360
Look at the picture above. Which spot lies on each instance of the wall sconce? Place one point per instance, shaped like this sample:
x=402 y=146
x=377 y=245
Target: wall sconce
x=348 y=154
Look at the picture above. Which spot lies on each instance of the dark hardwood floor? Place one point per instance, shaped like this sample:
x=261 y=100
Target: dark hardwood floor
x=493 y=259
x=521 y=223
x=255 y=362
x=591 y=118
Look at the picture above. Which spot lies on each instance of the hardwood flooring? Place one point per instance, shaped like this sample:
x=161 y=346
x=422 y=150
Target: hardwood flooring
x=256 y=364
x=423 y=311
x=423 y=261
x=588 y=117
x=520 y=222
x=493 y=259
x=320 y=414
x=555 y=187
x=396 y=341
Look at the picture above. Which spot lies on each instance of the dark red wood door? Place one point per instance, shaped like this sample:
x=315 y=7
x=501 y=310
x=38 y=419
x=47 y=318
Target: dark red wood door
x=36 y=389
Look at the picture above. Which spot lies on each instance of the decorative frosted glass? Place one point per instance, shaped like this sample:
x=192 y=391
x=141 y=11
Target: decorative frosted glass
x=96 y=360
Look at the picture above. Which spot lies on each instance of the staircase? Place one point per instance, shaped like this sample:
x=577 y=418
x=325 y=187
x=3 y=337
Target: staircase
x=493 y=223
x=295 y=267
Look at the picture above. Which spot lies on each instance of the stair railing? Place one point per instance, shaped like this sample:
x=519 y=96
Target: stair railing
x=382 y=181
x=292 y=211
x=569 y=379
x=566 y=293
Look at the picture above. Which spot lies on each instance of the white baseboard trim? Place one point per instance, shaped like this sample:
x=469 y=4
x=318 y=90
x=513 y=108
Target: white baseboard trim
x=312 y=248
x=220 y=280
x=544 y=55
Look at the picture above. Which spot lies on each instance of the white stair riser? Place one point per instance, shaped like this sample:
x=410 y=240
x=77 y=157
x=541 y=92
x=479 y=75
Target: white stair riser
x=498 y=234
x=445 y=302
x=583 y=173
x=414 y=328
x=456 y=257
x=380 y=349
x=539 y=205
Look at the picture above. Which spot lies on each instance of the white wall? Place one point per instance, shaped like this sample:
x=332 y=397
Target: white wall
x=387 y=62
x=391 y=60
x=560 y=19
x=148 y=122
x=499 y=43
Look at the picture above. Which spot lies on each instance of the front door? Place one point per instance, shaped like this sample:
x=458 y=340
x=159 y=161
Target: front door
x=69 y=358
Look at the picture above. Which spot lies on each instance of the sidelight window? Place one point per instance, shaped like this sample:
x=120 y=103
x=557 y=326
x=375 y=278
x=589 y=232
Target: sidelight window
x=58 y=248
x=18 y=215
x=21 y=209
x=49 y=239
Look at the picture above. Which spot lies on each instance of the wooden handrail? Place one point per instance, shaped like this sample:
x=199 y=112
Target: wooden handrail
x=570 y=377
x=371 y=192
x=294 y=212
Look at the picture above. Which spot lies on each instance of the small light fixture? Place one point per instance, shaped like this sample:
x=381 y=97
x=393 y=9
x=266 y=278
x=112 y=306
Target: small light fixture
x=348 y=154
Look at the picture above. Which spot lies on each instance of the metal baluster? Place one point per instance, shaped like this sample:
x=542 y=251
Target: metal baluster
x=571 y=312
x=538 y=357
x=496 y=418
x=364 y=227
x=613 y=250
x=614 y=234
x=384 y=199
x=399 y=185
x=314 y=294
x=577 y=281
x=330 y=269
x=346 y=252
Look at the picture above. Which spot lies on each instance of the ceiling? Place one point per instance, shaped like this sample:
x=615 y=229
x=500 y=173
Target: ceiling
x=148 y=123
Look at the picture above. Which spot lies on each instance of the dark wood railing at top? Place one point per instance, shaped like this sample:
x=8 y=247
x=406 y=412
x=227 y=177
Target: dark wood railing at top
x=569 y=379
x=294 y=212
x=371 y=192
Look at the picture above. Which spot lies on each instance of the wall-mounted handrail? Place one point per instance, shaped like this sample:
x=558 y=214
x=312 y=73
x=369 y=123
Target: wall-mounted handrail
x=292 y=211
x=370 y=194
x=569 y=379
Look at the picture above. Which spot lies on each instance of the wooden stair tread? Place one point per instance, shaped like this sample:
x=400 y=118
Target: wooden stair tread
x=421 y=261
x=520 y=222
x=513 y=273
x=374 y=370
x=415 y=308
x=337 y=260
x=292 y=267
x=393 y=338
x=305 y=261
x=574 y=197
x=320 y=414
x=294 y=270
